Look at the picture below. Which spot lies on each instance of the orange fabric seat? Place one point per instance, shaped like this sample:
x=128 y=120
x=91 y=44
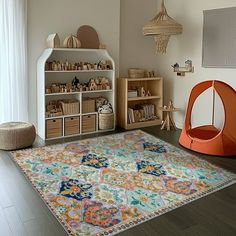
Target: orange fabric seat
x=208 y=139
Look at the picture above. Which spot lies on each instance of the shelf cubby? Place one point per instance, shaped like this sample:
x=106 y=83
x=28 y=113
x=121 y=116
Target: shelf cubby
x=154 y=86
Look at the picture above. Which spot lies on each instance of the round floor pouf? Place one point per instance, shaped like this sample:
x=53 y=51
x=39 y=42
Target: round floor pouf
x=16 y=135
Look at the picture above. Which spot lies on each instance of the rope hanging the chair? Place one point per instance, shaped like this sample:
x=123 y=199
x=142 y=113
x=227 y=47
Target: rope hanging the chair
x=162 y=26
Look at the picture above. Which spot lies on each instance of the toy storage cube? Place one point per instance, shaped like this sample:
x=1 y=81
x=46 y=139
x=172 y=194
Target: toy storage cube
x=54 y=128
x=72 y=125
x=88 y=123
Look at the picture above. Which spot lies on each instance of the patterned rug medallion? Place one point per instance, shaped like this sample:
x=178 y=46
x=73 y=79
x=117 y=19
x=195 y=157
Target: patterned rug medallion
x=105 y=185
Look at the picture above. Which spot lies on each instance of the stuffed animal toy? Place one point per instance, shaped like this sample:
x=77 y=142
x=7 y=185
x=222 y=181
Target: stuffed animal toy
x=100 y=101
x=104 y=109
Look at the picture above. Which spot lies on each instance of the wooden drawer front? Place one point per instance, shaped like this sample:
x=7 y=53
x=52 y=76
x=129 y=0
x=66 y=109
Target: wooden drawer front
x=88 y=106
x=54 y=128
x=89 y=123
x=72 y=125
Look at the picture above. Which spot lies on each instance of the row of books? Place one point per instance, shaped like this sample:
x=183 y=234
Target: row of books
x=141 y=113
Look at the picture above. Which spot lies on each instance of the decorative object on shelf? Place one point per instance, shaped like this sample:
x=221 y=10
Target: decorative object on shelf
x=162 y=27
x=53 y=41
x=65 y=66
x=92 y=85
x=75 y=82
x=151 y=74
x=171 y=105
x=71 y=42
x=143 y=93
x=105 y=65
x=104 y=82
x=136 y=73
x=188 y=68
x=88 y=37
x=132 y=93
x=168 y=122
x=54 y=109
x=99 y=83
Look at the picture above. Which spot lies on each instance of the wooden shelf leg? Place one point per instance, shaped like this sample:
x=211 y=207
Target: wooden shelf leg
x=164 y=124
x=168 y=121
x=172 y=123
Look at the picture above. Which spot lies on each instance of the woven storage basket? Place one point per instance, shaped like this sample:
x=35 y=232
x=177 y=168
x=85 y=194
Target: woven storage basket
x=136 y=73
x=106 y=121
x=88 y=105
x=70 y=106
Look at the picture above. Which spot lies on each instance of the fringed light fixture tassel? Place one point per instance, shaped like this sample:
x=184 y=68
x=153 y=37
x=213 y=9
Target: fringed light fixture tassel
x=162 y=27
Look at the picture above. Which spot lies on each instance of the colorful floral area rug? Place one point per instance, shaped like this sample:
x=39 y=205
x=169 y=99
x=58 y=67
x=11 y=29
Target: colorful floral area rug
x=105 y=185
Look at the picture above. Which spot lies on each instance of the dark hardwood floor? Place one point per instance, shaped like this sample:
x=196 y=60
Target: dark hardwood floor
x=23 y=213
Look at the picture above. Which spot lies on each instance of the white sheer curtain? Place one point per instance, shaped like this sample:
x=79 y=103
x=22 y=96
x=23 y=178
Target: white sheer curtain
x=13 y=61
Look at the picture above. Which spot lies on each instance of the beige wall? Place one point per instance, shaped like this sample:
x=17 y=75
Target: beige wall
x=135 y=49
x=189 y=46
x=139 y=51
x=65 y=17
x=119 y=25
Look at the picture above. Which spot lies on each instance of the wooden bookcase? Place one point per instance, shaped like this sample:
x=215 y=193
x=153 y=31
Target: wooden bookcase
x=75 y=124
x=154 y=85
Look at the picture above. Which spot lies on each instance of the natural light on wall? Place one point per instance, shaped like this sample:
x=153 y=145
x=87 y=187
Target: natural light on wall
x=13 y=52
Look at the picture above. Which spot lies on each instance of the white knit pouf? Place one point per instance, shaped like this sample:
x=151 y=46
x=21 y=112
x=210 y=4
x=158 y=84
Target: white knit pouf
x=16 y=135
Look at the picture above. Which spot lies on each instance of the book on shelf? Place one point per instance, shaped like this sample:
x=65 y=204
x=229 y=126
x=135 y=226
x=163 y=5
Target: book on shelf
x=141 y=113
x=132 y=93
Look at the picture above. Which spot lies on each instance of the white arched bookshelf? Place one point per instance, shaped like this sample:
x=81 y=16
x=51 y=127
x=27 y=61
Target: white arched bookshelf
x=47 y=77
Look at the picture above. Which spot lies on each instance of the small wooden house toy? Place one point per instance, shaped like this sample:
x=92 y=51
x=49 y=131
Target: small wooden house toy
x=53 y=41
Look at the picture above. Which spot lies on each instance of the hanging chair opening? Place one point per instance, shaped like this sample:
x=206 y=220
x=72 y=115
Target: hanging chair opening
x=211 y=120
x=204 y=132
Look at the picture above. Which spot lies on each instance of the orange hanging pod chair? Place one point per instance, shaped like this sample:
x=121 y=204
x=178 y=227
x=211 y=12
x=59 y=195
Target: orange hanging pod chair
x=208 y=139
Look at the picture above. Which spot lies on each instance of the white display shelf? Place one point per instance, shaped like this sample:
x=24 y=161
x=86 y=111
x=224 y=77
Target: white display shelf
x=46 y=77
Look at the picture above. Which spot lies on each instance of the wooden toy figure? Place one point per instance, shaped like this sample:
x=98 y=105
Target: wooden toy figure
x=92 y=85
x=170 y=105
x=75 y=82
x=141 y=92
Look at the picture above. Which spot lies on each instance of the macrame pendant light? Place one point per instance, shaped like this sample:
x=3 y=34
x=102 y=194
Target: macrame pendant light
x=162 y=27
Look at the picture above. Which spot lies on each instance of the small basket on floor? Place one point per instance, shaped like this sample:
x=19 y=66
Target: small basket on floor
x=106 y=121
